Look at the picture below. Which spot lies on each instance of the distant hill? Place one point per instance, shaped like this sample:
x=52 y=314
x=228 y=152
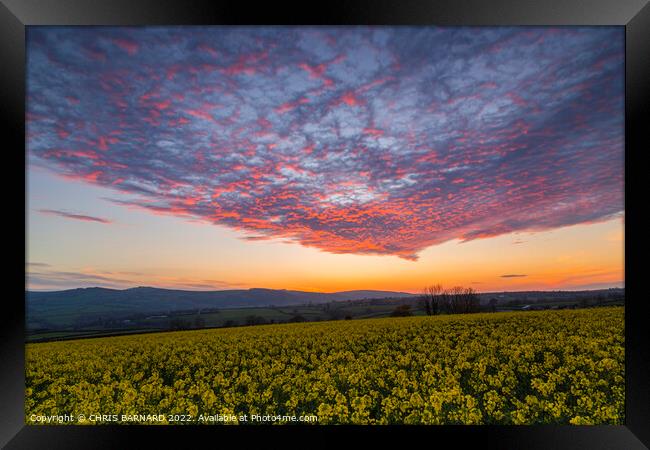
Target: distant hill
x=83 y=304
x=541 y=296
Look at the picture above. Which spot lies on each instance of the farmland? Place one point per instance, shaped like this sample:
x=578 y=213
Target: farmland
x=556 y=366
x=101 y=312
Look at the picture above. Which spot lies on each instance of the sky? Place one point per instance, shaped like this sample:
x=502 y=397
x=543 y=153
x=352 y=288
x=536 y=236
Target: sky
x=325 y=158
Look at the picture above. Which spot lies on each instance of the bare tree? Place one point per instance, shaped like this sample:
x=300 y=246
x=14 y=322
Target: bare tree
x=432 y=299
x=455 y=300
x=454 y=297
x=471 y=302
x=426 y=303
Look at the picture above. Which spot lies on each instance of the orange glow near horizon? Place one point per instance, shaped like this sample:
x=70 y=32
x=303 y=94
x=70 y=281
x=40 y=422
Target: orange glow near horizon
x=143 y=249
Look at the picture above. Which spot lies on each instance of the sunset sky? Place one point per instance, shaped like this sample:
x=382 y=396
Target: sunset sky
x=325 y=159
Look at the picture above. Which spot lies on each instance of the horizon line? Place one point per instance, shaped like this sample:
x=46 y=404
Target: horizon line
x=315 y=292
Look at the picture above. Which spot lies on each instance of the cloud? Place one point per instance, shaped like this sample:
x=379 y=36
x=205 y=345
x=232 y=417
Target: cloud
x=36 y=264
x=513 y=275
x=361 y=140
x=41 y=277
x=57 y=279
x=68 y=215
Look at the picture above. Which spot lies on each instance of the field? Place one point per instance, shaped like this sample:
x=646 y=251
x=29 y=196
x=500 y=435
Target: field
x=96 y=312
x=537 y=367
x=224 y=317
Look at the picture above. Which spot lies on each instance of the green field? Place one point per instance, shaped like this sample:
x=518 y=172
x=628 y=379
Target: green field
x=224 y=317
x=563 y=367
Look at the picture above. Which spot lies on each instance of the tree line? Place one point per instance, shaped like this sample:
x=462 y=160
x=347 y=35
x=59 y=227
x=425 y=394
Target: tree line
x=455 y=300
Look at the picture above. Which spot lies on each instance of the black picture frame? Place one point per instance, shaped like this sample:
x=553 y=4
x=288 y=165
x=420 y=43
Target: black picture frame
x=634 y=15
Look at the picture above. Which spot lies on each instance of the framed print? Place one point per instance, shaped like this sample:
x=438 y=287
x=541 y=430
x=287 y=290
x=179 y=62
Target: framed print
x=381 y=218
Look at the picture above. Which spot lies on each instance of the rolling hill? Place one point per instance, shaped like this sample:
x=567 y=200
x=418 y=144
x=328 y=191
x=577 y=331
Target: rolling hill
x=44 y=309
x=110 y=309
